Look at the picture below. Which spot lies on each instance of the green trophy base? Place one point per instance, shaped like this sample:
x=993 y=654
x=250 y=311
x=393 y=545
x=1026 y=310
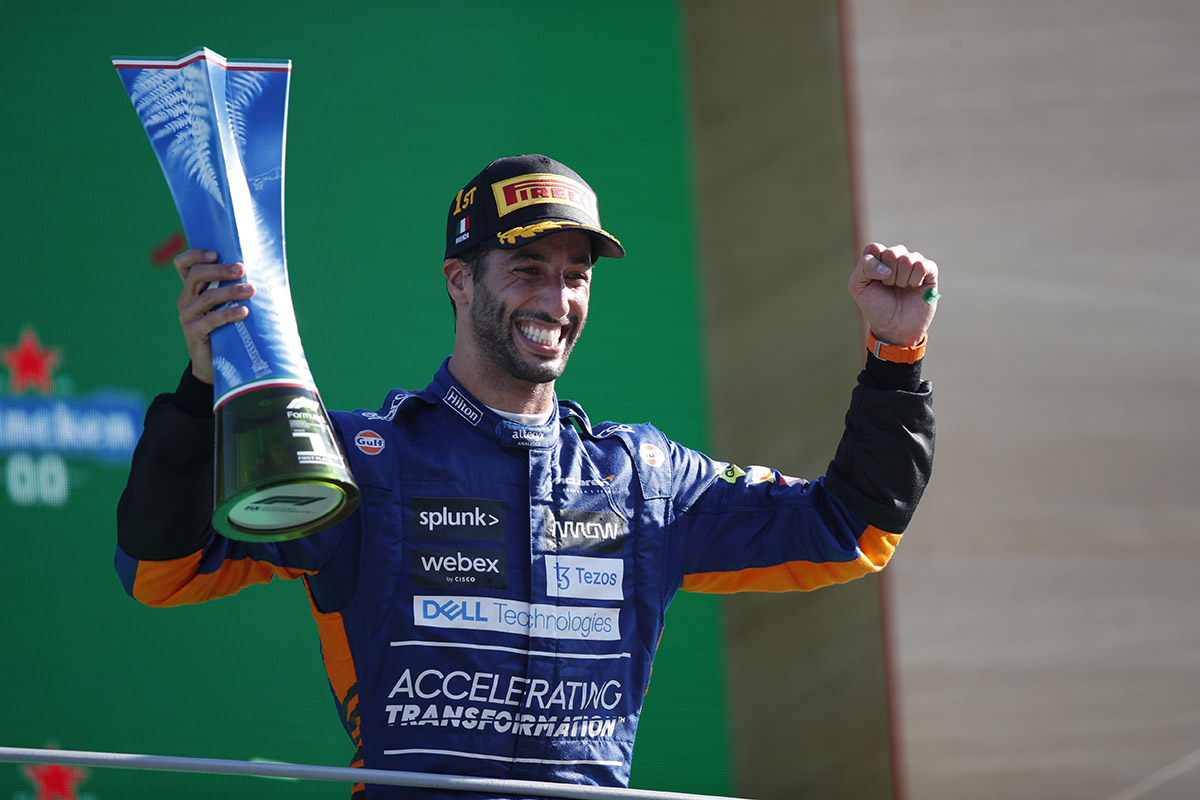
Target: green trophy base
x=280 y=471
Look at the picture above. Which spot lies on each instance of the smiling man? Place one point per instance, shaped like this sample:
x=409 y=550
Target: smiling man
x=526 y=309
x=494 y=605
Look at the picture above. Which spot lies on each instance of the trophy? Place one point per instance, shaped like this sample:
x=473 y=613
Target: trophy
x=218 y=129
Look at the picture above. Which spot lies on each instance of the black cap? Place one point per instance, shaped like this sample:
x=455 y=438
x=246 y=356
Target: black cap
x=517 y=200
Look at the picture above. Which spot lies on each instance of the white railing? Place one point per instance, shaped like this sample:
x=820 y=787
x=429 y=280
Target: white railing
x=414 y=780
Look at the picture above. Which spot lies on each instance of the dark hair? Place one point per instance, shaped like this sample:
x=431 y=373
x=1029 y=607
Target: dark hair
x=476 y=262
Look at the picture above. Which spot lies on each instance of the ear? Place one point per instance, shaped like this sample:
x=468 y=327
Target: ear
x=458 y=281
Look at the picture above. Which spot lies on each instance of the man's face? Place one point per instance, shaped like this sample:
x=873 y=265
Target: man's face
x=531 y=304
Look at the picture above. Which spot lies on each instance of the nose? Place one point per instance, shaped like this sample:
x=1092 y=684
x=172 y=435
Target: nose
x=555 y=296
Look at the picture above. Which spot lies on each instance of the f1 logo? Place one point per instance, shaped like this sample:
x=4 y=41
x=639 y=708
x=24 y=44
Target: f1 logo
x=287 y=500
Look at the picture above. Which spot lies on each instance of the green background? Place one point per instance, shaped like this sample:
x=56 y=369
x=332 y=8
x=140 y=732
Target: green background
x=393 y=107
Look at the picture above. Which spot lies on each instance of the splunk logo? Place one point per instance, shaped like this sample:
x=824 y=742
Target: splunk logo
x=468 y=566
x=595 y=532
x=458 y=518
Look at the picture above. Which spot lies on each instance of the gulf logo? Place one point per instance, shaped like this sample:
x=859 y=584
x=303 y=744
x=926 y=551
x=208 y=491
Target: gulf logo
x=369 y=442
x=651 y=454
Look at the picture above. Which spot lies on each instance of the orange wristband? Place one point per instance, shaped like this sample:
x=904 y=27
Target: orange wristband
x=896 y=353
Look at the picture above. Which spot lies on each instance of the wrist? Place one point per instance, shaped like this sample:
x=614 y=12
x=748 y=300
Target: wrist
x=193 y=395
x=899 y=354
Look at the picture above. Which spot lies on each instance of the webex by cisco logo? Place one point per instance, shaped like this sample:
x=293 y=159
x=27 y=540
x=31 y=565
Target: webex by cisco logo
x=458 y=518
x=477 y=567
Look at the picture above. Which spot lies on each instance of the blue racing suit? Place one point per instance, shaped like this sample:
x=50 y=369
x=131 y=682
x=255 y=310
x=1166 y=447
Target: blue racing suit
x=494 y=605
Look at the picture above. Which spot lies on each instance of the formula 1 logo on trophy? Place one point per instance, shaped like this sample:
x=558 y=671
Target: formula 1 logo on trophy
x=218 y=129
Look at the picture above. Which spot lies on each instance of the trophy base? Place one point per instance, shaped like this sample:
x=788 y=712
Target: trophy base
x=288 y=510
x=280 y=471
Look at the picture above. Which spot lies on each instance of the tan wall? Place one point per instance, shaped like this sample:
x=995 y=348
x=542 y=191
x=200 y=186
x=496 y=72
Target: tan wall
x=1048 y=156
x=808 y=689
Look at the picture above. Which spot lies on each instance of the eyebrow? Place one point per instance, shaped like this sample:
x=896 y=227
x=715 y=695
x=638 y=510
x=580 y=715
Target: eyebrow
x=511 y=257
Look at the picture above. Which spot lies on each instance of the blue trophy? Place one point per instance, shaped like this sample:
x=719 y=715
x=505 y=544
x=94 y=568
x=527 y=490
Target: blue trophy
x=219 y=130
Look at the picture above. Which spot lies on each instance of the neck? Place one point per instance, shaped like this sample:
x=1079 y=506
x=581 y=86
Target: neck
x=499 y=390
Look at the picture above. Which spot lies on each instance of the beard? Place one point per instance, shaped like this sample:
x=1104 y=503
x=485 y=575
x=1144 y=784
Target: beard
x=495 y=334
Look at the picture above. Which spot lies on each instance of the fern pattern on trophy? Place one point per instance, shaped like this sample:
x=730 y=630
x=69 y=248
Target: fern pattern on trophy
x=274 y=309
x=218 y=129
x=243 y=88
x=173 y=105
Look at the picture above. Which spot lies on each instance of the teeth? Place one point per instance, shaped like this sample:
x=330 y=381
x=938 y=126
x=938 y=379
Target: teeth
x=541 y=335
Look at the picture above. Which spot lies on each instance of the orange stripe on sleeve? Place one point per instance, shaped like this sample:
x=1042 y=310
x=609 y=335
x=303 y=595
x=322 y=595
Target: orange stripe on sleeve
x=176 y=582
x=875 y=550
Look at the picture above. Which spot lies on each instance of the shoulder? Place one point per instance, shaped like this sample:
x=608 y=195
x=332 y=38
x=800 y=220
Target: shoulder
x=664 y=467
x=630 y=435
x=370 y=438
x=387 y=412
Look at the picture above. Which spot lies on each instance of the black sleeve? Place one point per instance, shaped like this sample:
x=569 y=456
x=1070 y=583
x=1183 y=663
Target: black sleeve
x=165 y=511
x=885 y=457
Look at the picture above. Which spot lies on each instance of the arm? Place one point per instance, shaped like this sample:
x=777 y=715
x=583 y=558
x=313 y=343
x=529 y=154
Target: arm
x=167 y=550
x=759 y=530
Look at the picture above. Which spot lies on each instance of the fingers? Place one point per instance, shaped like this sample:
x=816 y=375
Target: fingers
x=897 y=266
x=201 y=292
x=190 y=258
x=200 y=276
x=201 y=308
x=205 y=305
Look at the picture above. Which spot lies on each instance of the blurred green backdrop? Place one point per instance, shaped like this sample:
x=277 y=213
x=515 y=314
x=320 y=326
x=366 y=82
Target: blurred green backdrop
x=393 y=106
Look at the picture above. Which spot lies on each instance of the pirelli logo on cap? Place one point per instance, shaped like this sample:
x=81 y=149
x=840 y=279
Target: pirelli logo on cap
x=543 y=187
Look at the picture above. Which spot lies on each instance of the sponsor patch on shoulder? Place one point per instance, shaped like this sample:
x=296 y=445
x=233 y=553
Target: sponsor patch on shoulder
x=369 y=442
x=652 y=454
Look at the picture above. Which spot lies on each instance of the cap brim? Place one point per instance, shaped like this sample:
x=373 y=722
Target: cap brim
x=605 y=244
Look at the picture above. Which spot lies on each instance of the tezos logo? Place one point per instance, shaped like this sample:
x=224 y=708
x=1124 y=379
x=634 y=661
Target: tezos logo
x=369 y=442
x=458 y=518
x=585 y=577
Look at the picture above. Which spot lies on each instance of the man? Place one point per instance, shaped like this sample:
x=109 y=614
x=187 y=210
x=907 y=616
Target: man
x=494 y=606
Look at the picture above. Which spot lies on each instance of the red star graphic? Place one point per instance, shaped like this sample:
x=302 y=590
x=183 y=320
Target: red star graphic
x=54 y=781
x=30 y=364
